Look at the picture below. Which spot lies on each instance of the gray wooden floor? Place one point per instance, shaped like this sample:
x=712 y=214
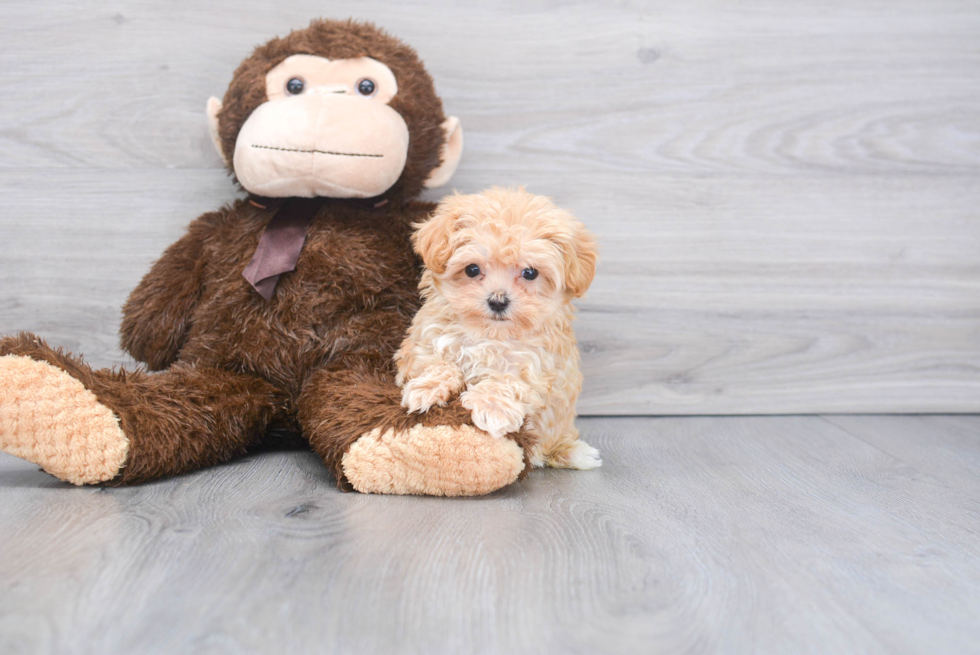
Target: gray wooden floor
x=835 y=534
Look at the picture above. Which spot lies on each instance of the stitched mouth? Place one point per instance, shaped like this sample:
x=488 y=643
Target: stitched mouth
x=319 y=152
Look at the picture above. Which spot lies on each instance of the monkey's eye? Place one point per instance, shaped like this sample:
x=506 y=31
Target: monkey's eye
x=472 y=270
x=529 y=273
x=366 y=87
x=294 y=87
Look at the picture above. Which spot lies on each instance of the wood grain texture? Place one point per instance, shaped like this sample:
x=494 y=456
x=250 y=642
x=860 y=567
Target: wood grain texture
x=698 y=535
x=786 y=194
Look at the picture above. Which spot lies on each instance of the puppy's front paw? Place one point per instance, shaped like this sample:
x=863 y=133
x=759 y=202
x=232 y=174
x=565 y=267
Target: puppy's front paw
x=421 y=393
x=495 y=415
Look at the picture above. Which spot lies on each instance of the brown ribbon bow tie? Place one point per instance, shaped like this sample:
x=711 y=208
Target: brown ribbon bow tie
x=280 y=244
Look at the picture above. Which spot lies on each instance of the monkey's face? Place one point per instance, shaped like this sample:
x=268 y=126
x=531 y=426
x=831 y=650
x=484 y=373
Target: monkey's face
x=326 y=130
x=321 y=113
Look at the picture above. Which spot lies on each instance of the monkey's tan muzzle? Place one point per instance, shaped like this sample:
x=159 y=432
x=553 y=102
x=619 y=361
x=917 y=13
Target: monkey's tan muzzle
x=316 y=145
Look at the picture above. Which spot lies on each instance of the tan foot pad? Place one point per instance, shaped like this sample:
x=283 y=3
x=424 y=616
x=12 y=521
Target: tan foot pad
x=432 y=461
x=50 y=418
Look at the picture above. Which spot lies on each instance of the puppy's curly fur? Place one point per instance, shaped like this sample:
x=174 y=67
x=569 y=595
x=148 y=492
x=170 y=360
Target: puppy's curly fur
x=502 y=268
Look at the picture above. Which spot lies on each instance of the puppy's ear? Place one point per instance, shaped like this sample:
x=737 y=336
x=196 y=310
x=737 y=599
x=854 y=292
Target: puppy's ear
x=581 y=256
x=431 y=238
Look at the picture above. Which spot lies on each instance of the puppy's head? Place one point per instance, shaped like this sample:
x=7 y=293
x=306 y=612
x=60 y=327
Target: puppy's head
x=505 y=260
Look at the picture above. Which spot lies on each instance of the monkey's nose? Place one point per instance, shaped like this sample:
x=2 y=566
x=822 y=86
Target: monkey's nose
x=498 y=302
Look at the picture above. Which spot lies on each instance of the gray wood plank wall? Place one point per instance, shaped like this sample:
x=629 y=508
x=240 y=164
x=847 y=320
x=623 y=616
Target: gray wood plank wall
x=786 y=193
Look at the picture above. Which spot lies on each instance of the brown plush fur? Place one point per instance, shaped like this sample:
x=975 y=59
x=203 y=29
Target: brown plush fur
x=317 y=358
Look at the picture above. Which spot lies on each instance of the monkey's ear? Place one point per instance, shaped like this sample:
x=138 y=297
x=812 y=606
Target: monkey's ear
x=213 y=107
x=432 y=238
x=452 y=150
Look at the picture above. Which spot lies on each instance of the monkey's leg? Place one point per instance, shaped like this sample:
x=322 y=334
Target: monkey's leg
x=117 y=427
x=355 y=421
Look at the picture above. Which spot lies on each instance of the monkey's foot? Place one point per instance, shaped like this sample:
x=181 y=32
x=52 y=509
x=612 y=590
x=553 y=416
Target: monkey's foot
x=49 y=418
x=433 y=461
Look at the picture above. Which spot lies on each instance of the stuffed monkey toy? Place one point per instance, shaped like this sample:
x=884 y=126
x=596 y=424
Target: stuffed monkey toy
x=282 y=310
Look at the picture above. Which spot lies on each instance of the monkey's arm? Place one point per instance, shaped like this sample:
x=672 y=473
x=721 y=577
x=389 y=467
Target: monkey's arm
x=157 y=315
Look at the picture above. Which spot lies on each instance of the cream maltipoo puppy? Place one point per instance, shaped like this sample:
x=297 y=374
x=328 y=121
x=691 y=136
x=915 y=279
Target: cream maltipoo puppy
x=501 y=270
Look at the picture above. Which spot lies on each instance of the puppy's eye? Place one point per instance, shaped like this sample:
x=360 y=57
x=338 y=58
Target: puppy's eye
x=529 y=273
x=366 y=87
x=472 y=270
x=295 y=86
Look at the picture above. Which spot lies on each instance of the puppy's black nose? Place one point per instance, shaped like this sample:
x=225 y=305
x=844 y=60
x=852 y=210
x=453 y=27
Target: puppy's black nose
x=498 y=303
